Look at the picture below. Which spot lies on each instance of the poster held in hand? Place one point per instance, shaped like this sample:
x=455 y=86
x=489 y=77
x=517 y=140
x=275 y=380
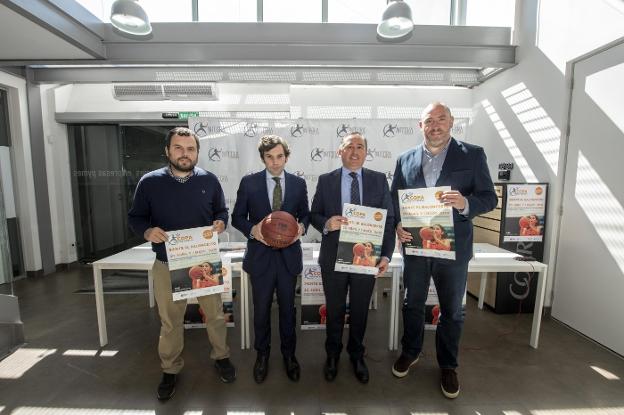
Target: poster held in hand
x=429 y=221
x=194 y=263
x=359 y=244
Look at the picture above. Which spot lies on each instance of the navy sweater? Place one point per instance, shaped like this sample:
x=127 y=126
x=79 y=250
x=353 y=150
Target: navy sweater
x=162 y=201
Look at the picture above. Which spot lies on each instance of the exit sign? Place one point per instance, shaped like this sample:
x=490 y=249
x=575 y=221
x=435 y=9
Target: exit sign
x=188 y=114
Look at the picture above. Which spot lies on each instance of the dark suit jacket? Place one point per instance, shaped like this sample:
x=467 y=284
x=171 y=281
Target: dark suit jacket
x=327 y=202
x=465 y=170
x=252 y=205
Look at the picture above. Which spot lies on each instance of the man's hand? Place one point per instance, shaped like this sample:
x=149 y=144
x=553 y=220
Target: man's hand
x=218 y=226
x=257 y=234
x=382 y=266
x=155 y=235
x=402 y=234
x=300 y=232
x=454 y=199
x=335 y=222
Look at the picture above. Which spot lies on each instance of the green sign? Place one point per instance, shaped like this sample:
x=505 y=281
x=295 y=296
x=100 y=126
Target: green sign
x=185 y=115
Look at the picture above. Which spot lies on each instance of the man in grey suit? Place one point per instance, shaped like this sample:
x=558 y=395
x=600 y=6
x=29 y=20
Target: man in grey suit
x=440 y=161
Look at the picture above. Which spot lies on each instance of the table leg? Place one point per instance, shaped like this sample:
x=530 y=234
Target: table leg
x=150 y=285
x=537 y=311
x=482 y=289
x=394 y=309
x=99 y=305
x=245 y=289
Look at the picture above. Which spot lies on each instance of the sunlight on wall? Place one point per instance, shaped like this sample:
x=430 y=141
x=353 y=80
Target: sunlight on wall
x=15 y=365
x=536 y=122
x=606 y=89
x=605 y=373
x=509 y=142
x=619 y=410
x=570 y=28
x=602 y=208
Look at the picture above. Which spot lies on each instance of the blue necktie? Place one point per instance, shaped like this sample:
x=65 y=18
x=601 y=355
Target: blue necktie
x=355 y=189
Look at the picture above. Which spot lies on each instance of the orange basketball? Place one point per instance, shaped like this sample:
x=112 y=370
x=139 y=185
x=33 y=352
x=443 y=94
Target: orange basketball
x=524 y=222
x=358 y=249
x=279 y=229
x=426 y=233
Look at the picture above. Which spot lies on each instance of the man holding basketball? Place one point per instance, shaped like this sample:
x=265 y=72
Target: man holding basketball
x=272 y=269
x=440 y=161
x=349 y=184
x=181 y=196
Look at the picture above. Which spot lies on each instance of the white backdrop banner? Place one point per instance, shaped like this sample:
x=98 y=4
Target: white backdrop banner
x=229 y=148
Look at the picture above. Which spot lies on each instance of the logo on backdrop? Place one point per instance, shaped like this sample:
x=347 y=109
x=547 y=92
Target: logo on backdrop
x=307 y=177
x=319 y=154
x=389 y=176
x=372 y=154
x=391 y=130
x=345 y=129
x=252 y=129
x=202 y=129
x=217 y=154
x=298 y=130
x=312 y=273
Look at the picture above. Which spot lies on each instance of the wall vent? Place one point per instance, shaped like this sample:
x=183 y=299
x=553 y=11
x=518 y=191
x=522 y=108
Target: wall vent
x=195 y=91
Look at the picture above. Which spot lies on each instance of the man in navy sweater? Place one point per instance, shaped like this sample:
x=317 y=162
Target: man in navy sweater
x=181 y=196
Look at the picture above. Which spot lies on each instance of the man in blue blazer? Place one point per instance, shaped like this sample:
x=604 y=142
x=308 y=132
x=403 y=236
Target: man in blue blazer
x=349 y=184
x=272 y=269
x=440 y=161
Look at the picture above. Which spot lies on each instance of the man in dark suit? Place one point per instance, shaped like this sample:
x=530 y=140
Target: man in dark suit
x=440 y=161
x=272 y=269
x=349 y=184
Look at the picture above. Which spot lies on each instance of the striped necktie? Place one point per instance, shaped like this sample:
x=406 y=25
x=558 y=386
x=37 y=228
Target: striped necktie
x=355 y=189
x=277 y=194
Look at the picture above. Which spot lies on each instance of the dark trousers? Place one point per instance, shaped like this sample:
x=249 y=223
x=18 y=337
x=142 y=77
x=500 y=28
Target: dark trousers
x=360 y=287
x=276 y=278
x=450 y=282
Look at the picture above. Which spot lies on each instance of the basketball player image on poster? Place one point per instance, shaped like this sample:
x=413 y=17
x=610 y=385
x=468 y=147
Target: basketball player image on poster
x=359 y=244
x=524 y=216
x=194 y=263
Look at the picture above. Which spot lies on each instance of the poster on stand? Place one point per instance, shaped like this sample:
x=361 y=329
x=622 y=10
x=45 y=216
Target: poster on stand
x=313 y=309
x=359 y=244
x=525 y=211
x=194 y=263
x=429 y=221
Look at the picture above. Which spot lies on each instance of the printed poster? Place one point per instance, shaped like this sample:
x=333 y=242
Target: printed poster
x=524 y=217
x=194 y=316
x=313 y=309
x=194 y=263
x=359 y=244
x=429 y=221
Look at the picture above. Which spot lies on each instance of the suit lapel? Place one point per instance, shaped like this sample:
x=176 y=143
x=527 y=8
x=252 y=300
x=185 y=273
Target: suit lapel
x=264 y=190
x=449 y=161
x=414 y=174
x=367 y=187
x=335 y=191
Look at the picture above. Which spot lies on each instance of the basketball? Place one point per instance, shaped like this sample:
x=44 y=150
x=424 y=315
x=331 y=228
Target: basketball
x=279 y=229
x=358 y=249
x=524 y=222
x=426 y=233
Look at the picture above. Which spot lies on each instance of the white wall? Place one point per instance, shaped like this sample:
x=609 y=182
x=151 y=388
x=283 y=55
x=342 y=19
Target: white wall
x=59 y=180
x=520 y=114
x=23 y=171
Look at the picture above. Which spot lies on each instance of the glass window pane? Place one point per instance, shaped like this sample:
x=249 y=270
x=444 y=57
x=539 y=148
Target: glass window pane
x=355 y=11
x=302 y=11
x=157 y=10
x=434 y=12
x=490 y=13
x=227 y=11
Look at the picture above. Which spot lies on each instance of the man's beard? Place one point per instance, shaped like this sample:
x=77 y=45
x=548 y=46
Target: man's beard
x=179 y=167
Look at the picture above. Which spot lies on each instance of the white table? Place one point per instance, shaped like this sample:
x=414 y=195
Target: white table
x=142 y=258
x=487 y=258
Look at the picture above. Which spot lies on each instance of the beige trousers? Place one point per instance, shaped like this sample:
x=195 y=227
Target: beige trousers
x=171 y=341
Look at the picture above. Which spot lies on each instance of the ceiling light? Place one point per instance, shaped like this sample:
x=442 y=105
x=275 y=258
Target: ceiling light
x=396 y=22
x=129 y=17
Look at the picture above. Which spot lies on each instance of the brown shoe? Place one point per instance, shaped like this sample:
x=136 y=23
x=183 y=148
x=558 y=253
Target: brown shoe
x=449 y=383
x=401 y=367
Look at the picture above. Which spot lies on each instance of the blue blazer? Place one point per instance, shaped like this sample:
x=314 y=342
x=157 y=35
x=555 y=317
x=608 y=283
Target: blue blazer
x=465 y=170
x=252 y=205
x=327 y=202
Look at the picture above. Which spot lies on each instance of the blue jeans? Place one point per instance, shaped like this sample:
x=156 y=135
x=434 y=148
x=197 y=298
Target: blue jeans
x=450 y=282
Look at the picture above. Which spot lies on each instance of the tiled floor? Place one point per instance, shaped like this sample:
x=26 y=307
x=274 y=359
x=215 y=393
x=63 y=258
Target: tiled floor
x=499 y=372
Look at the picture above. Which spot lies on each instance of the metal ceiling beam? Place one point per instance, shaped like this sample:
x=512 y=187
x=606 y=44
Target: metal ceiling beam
x=55 y=16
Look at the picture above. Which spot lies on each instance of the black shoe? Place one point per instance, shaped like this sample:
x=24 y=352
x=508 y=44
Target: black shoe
x=402 y=365
x=227 y=371
x=331 y=368
x=360 y=369
x=261 y=368
x=292 y=368
x=166 y=389
x=449 y=383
